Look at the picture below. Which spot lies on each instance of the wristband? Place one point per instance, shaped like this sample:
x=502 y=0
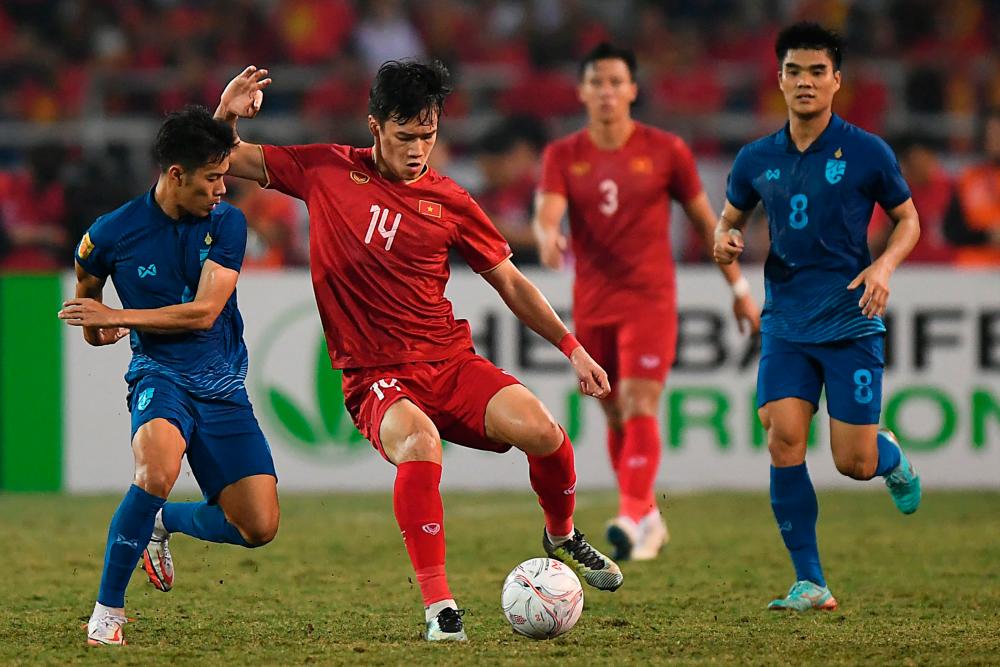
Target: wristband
x=567 y=344
x=741 y=288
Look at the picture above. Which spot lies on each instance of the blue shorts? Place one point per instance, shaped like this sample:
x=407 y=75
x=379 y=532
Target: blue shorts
x=224 y=440
x=851 y=370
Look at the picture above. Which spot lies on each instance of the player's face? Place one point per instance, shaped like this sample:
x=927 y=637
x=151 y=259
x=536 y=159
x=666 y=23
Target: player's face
x=607 y=90
x=808 y=82
x=403 y=149
x=199 y=191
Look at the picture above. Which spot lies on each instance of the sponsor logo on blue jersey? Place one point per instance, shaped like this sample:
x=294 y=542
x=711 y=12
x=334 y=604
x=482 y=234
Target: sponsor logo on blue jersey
x=773 y=174
x=144 y=398
x=147 y=270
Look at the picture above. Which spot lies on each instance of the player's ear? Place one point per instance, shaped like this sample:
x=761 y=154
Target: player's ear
x=373 y=126
x=175 y=173
x=836 y=80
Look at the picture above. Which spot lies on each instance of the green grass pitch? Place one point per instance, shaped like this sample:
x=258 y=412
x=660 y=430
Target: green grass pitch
x=335 y=586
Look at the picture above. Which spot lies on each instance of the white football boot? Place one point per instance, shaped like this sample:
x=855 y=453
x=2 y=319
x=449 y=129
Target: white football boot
x=156 y=559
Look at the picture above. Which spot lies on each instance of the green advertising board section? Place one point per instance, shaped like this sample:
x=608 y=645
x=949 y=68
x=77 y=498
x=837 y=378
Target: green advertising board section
x=30 y=383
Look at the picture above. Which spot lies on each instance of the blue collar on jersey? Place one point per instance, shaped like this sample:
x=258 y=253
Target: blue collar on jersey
x=784 y=138
x=154 y=206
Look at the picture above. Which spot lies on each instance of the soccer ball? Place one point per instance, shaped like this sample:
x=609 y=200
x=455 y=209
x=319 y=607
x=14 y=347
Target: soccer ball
x=542 y=598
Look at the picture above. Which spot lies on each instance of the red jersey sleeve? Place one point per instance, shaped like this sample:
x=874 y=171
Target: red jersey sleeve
x=685 y=184
x=479 y=242
x=553 y=178
x=287 y=167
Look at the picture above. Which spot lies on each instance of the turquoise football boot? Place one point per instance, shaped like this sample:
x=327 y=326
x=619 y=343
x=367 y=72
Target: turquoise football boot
x=903 y=481
x=803 y=596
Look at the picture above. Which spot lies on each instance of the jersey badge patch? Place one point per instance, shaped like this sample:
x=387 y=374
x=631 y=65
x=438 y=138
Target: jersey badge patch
x=641 y=165
x=147 y=270
x=579 y=168
x=835 y=171
x=360 y=177
x=208 y=238
x=144 y=398
x=86 y=247
x=431 y=208
x=772 y=174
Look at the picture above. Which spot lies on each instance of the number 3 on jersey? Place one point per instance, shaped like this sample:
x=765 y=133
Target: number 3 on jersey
x=609 y=197
x=386 y=232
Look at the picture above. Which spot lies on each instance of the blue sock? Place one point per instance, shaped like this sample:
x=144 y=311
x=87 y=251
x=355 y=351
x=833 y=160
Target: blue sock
x=201 y=520
x=888 y=455
x=128 y=534
x=796 y=510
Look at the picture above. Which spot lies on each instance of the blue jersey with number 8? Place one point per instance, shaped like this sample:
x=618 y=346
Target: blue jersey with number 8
x=819 y=203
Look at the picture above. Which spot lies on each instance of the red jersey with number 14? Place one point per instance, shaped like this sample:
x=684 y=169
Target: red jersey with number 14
x=378 y=253
x=619 y=218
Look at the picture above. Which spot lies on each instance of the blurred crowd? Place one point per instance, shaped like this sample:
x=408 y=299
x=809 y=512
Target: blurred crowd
x=923 y=73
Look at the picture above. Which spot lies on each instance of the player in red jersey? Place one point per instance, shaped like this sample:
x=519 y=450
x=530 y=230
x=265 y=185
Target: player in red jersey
x=381 y=225
x=616 y=177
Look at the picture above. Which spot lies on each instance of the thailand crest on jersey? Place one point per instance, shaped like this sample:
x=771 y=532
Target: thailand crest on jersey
x=835 y=168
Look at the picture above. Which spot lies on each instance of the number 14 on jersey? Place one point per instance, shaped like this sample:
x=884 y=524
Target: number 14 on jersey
x=379 y=217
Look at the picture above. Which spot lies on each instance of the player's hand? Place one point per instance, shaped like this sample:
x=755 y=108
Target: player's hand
x=83 y=312
x=747 y=314
x=593 y=379
x=876 y=295
x=245 y=93
x=728 y=246
x=551 y=249
x=110 y=336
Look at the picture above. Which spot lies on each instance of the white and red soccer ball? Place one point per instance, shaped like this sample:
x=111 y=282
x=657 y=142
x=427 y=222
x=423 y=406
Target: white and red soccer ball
x=542 y=598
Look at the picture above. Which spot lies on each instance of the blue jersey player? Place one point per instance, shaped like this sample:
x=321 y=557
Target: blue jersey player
x=174 y=255
x=819 y=179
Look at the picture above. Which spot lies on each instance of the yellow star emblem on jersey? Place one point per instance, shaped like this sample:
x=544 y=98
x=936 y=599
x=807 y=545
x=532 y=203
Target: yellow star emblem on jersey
x=838 y=154
x=208 y=238
x=579 y=168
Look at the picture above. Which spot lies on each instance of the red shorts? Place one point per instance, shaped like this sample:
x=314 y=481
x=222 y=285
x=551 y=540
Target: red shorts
x=642 y=346
x=454 y=393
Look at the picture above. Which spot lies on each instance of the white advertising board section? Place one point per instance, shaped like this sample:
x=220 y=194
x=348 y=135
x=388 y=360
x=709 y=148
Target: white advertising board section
x=943 y=390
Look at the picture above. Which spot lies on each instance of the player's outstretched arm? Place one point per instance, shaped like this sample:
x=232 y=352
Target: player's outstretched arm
x=242 y=98
x=549 y=210
x=876 y=276
x=92 y=288
x=531 y=307
x=215 y=286
x=745 y=309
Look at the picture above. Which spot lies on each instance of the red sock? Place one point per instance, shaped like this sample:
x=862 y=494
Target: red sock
x=640 y=461
x=615 y=441
x=553 y=478
x=416 y=501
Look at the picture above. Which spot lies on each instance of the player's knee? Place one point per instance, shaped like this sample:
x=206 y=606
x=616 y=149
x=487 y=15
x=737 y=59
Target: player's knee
x=856 y=467
x=550 y=435
x=786 y=449
x=541 y=434
x=260 y=531
x=421 y=445
x=157 y=481
x=765 y=418
x=639 y=406
x=639 y=400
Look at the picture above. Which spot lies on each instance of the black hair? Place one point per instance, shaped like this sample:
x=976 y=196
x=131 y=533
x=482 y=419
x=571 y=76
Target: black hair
x=907 y=141
x=506 y=134
x=192 y=138
x=808 y=35
x=608 y=51
x=408 y=89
